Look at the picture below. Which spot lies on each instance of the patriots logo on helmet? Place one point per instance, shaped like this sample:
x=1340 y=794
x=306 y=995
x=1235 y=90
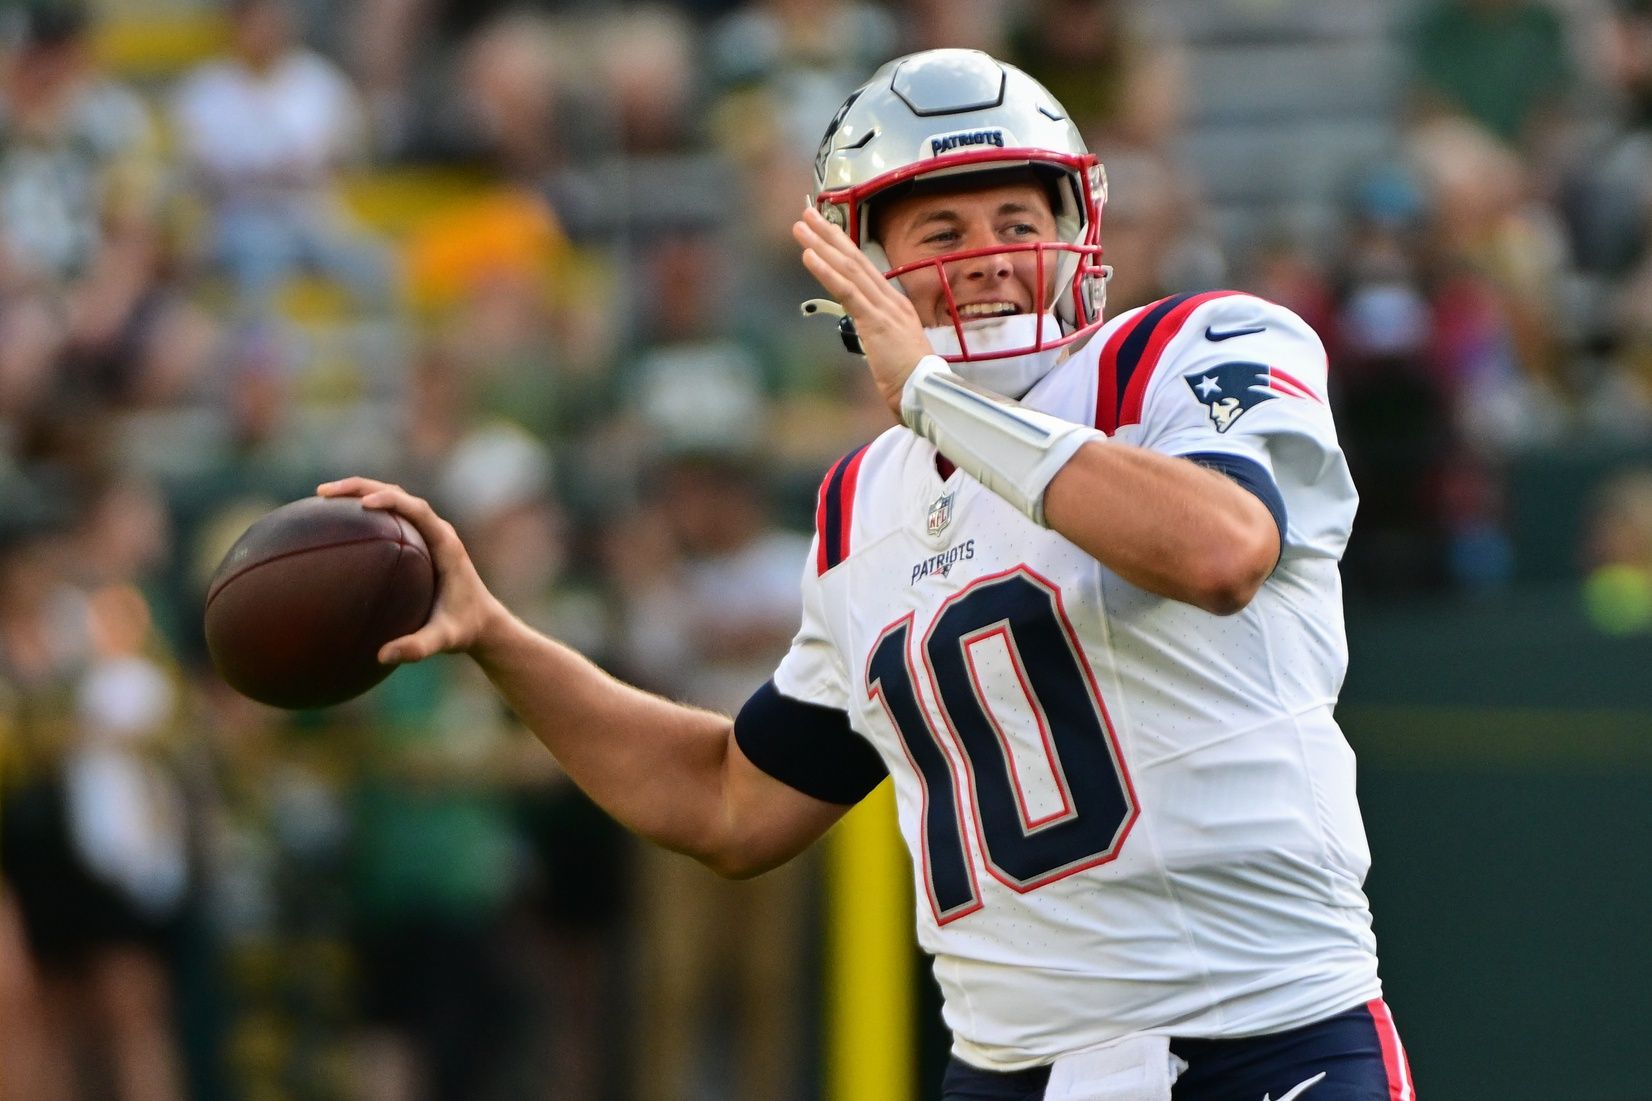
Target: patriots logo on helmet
x=1229 y=389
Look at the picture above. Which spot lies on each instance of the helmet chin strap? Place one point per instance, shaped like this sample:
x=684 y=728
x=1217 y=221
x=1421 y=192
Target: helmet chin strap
x=1011 y=375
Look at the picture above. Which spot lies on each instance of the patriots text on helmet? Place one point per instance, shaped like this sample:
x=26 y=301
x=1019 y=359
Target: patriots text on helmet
x=946 y=143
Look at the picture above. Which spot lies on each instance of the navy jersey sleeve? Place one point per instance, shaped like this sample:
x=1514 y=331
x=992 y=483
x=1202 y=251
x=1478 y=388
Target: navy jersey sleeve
x=1250 y=475
x=807 y=747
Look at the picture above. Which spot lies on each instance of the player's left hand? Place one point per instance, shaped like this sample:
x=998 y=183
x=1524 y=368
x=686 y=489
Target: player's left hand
x=890 y=332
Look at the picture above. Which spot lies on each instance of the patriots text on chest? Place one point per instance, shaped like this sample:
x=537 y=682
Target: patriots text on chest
x=942 y=563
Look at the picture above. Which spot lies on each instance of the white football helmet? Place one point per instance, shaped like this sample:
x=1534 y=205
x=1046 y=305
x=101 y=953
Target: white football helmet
x=956 y=112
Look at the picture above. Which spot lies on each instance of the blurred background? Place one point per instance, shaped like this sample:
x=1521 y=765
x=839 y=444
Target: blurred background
x=531 y=260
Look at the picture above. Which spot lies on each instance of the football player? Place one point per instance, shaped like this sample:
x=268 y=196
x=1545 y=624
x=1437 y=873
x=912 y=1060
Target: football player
x=1081 y=607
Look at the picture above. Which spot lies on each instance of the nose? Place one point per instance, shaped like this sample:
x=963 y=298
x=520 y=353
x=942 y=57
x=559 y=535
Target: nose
x=991 y=267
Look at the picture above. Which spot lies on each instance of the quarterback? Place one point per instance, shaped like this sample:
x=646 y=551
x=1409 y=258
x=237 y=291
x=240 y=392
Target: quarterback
x=1080 y=606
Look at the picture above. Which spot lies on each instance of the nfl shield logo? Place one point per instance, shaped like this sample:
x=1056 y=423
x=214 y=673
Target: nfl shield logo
x=940 y=514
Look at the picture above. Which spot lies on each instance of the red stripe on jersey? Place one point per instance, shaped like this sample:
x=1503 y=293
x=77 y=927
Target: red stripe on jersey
x=851 y=475
x=1131 y=401
x=1393 y=1052
x=834 y=511
x=1293 y=385
x=821 y=546
x=1107 y=374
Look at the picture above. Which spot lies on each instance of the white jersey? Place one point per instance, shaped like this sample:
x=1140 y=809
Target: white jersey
x=1125 y=814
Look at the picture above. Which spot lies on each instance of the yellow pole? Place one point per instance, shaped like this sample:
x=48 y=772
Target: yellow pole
x=871 y=1041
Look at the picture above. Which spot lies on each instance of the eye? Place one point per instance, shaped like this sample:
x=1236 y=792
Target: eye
x=1021 y=229
x=941 y=237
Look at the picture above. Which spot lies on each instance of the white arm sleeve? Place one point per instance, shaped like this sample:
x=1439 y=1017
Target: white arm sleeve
x=1011 y=449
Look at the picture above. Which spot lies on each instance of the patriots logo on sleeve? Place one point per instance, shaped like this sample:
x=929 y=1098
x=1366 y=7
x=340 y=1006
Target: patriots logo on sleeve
x=1228 y=389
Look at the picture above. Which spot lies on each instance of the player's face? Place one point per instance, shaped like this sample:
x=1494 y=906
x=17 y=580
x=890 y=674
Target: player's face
x=995 y=284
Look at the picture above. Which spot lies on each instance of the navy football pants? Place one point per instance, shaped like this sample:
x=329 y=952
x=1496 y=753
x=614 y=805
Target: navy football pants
x=1358 y=1050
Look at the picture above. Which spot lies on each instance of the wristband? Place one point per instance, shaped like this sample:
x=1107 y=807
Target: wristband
x=1012 y=450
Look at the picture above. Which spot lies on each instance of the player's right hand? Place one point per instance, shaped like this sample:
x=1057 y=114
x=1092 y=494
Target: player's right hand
x=464 y=608
x=890 y=332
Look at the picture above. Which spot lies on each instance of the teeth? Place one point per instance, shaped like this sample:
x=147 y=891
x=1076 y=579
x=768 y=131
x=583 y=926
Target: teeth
x=987 y=309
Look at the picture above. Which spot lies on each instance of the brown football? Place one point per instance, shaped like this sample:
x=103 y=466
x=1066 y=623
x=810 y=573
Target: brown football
x=298 y=609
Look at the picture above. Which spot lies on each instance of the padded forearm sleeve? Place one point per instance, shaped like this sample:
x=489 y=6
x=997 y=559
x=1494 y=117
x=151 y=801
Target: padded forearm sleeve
x=1012 y=450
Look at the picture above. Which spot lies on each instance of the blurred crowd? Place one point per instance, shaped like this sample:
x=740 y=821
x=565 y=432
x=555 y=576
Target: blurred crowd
x=533 y=261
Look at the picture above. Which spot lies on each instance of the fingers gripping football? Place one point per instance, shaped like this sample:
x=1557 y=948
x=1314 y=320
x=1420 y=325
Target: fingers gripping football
x=888 y=325
x=463 y=602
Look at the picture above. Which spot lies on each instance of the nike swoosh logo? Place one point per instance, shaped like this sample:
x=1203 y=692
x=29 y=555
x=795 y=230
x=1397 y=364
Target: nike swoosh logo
x=1229 y=334
x=1297 y=1091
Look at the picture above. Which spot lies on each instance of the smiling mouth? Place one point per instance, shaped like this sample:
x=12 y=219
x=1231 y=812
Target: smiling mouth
x=975 y=311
